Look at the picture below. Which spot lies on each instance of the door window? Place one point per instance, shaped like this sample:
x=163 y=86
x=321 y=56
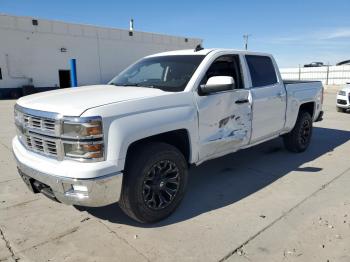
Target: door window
x=262 y=70
x=226 y=65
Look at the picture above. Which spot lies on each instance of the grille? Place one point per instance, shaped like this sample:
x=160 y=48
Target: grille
x=341 y=102
x=44 y=124
x=40 y=144
x=36 y=133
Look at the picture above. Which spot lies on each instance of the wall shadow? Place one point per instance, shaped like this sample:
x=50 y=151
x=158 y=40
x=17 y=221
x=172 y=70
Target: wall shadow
x=226 y=180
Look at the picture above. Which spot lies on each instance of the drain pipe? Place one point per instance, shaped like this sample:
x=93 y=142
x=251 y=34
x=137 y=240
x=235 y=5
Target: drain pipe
x=73 y=73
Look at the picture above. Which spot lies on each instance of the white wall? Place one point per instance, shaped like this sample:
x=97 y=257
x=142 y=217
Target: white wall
x=332 y=75
x=33 y=52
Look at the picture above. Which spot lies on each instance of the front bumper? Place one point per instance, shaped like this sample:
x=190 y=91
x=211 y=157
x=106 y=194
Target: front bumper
x=92 y=192
x=343 y=101
x=343 y=106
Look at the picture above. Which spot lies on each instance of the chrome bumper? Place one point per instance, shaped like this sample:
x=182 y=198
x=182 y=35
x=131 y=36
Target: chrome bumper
x=95 y=192
x=343 y=106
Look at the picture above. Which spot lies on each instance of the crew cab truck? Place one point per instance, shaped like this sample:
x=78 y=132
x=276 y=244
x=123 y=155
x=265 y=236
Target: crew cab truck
x=132 y=141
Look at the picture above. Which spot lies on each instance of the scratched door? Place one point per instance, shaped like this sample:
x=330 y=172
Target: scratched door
x=224 y=122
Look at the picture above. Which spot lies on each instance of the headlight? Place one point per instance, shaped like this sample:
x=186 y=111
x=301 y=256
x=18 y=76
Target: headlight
x=342 y=93
x=89 y=129
x=82 y=138
x=84 y=151
x=18 y=116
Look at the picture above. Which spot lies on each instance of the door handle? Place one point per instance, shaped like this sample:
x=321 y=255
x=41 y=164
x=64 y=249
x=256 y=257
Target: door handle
x=242 y=101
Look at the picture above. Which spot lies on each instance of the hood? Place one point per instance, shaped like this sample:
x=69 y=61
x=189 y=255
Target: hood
x=74 y=101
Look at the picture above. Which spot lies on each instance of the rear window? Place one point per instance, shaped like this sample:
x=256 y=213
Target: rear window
x=262 y=71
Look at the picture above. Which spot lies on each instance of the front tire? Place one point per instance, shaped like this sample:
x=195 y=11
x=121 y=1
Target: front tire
x=299 y=138
x=154 y=183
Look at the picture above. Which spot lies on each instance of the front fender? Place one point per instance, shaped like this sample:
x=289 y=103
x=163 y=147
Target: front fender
x=127 y=130
x=130 y=121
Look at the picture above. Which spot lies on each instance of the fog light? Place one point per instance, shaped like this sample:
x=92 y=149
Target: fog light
x=80 y=188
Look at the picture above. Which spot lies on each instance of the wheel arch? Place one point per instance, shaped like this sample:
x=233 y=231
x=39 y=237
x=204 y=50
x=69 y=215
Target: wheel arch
x=294 y=108
x=179 y=138
x=308 y=107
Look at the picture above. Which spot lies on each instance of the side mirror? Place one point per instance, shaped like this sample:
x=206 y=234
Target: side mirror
x=217 y=84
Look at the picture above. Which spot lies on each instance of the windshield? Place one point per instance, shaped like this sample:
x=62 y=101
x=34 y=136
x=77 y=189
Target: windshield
x=168 y=73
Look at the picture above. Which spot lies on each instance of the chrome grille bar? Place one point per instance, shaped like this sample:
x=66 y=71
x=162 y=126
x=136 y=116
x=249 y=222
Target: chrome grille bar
x=39 y=144
x=39 y=131
x=47 y=126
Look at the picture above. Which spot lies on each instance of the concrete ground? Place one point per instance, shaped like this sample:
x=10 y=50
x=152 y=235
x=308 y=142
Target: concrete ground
x=260 y=204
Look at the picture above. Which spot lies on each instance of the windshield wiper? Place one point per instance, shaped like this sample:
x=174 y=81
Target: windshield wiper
x=125 y=85
x=137 y=85
x=116 y=84
x=150 y=86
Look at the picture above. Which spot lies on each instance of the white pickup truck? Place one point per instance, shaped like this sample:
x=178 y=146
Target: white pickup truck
x=133 y=139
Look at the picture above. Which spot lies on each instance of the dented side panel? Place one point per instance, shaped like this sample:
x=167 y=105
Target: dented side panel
x=224 y=126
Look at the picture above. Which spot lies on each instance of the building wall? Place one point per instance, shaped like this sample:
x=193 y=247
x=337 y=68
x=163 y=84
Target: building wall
x=32 y=54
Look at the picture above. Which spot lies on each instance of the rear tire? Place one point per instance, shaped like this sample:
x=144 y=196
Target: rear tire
x=154 y=182
x=299 y=138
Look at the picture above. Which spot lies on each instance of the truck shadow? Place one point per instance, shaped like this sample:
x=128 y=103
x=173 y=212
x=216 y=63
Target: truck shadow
x=226 y=180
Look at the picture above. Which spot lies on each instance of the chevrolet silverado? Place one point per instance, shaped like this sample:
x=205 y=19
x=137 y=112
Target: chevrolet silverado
x=132 y=140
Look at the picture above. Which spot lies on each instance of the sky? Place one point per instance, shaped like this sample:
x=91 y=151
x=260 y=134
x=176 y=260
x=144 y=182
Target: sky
x=295 y=31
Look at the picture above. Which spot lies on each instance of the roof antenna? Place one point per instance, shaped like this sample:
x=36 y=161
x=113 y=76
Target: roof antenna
x=199 y=47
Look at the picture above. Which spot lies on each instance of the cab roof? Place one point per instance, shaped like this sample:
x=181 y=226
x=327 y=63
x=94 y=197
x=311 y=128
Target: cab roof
x=206 y=51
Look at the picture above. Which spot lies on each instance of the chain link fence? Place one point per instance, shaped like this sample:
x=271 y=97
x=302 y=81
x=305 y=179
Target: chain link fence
x=329 y=75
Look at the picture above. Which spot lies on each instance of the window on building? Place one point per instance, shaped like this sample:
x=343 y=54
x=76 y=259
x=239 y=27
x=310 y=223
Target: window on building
x=262 y=70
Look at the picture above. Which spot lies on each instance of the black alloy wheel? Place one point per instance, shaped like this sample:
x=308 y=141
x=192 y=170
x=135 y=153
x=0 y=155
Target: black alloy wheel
x=161 y=185
x=154 y=181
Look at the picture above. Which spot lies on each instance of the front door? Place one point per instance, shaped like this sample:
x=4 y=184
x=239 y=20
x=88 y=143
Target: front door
x=224 y=118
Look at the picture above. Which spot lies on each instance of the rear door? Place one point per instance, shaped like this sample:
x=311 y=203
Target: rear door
x=269 y=97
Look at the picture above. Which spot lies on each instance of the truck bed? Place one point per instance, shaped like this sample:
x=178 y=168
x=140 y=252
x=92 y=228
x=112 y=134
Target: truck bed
x=290 y=82
x=299 y=92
